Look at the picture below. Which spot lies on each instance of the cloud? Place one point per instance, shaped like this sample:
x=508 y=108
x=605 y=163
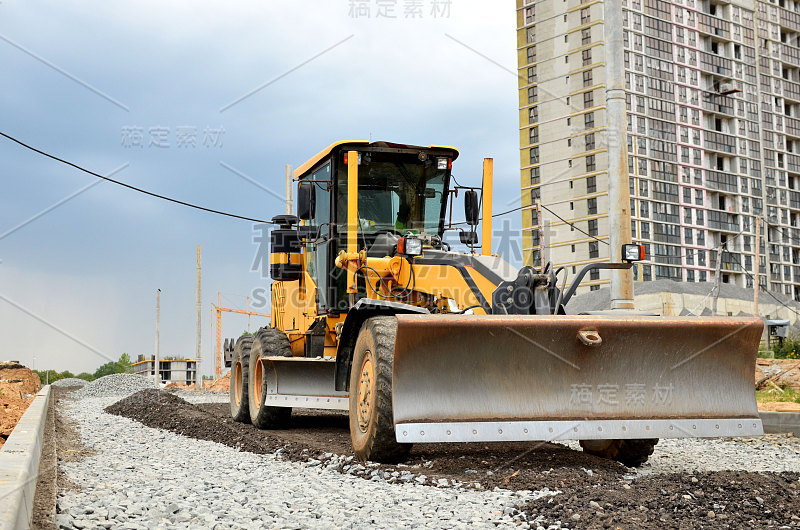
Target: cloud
x=93 y=264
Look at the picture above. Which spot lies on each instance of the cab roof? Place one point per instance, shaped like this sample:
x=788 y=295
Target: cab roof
x=307 y=166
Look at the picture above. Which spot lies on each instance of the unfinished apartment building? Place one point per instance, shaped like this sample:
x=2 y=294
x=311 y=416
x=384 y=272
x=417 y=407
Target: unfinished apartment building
x=713 y=101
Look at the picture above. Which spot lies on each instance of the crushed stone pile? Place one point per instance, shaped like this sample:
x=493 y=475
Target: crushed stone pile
x=69 y=382
x=115 y=385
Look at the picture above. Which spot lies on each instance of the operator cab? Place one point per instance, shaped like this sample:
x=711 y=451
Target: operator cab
x=402 y=189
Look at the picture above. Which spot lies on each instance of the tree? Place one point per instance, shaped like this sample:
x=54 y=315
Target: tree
x=86 y=376
x=114 y=367
x=124 y=363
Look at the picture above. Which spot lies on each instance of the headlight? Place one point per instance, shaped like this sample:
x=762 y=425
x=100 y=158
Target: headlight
x=441 y=163
x=409 y=246
x=632 y=253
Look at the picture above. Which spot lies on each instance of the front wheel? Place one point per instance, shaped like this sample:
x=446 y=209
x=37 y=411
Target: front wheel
x=371 y=418
x=268 y=342
x=632 y=453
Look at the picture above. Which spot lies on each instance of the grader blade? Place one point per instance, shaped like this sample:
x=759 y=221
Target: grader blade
x=511 y=378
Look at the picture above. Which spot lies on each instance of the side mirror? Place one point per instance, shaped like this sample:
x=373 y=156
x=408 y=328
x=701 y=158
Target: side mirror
x=471 y=207
x=468 y=238
x=306 y=200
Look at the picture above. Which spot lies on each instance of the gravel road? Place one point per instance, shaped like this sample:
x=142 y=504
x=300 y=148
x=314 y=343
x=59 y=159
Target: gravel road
x=305 y=476
x=146 y=478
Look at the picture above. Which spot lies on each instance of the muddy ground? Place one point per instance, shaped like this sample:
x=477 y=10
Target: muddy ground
x=596 y=493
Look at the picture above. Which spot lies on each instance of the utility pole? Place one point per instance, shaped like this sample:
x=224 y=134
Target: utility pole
x=619 y=203
x=198 y=337
x=717 y=279
x=540 y=230
x=545 y=238
x=289 y=201
x=158 y=335
x=757 y=283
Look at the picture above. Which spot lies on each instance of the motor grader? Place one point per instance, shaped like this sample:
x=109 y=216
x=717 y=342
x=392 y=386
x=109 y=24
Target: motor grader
x=375 y=314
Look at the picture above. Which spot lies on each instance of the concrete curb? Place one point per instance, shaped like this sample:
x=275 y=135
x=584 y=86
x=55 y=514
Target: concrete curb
x=777 y=422
x=19 y=464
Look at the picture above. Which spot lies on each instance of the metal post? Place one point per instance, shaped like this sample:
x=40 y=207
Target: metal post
x=158 y=335
x=619 y=214
x=198 y=338
x=352 y=219
x=545 y=242
x=717 y=279
x=488 y=175
x=289 y=201
x=757 y=283
x=540 y=228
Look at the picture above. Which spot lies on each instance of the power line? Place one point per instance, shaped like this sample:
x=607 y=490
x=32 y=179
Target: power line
x=134 y=188
x=493 y=216
x=575 y=226
x=757 y=285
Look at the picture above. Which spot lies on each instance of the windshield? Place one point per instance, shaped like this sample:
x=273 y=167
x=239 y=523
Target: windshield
x=395 y=192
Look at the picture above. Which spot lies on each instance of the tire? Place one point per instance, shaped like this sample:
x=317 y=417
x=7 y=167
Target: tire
x=632 y=453
x=240 y=367
x=268 y=342
x=371 y=419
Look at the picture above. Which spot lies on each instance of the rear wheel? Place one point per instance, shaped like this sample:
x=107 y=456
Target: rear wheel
x=632 y=453
x=240 y=364
x=268 y=342
x=371 y=418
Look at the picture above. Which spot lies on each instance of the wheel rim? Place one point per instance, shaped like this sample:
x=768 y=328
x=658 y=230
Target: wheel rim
x=259 y=380
x=366 y=379
x=237 y=383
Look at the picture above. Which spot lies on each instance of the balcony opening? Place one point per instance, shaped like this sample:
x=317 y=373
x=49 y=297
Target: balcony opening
x=726 y=278
x=721 y=202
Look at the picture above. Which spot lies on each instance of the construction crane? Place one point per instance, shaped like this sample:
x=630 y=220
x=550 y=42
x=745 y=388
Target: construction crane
x=218 y=310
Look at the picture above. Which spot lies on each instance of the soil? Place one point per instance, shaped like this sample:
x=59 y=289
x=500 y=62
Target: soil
x=514 y=466
x=223 y=384
x=725 y=499
x=44 y=500
x=18 y=387
x=779 y=406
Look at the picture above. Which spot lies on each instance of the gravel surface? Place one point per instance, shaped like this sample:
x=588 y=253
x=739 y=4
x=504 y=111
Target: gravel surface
x=115 y=385
x=771 y=452
x=146 y=478
x=307 y=477
x=69 y=382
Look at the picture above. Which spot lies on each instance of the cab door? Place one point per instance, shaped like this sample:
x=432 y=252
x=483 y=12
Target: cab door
x=319 y=247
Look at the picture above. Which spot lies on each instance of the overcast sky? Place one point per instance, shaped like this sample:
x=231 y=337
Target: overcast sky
x=146 y=88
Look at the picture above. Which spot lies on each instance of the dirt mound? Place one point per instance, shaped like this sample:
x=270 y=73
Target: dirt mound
x=18 y=387
x=726 y=499
x=223 y=384
x=179 y=386
x=163 y=410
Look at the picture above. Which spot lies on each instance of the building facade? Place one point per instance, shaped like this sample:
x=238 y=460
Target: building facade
x=170 y=369
x=713 y=101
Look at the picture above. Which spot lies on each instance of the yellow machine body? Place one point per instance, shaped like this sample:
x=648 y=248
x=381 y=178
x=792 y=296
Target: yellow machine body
x=466 y=367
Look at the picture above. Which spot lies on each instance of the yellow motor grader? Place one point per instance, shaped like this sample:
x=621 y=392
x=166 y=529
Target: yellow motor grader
x=373 y=313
